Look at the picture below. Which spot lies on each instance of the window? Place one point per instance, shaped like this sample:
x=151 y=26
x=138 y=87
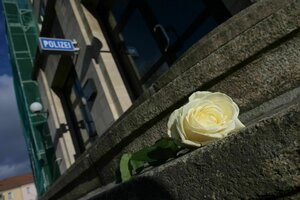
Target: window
x=150 y=35
x=42 y=11
x=28 y=190
x=76 y=103
x=90 y=92
x=10 y=195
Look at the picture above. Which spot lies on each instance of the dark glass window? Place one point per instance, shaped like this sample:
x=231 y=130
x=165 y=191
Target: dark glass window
x=42 y=11
x=78 y=115
x=207 y=25
x=90 y=93
x=150 y=35
x=140 y=46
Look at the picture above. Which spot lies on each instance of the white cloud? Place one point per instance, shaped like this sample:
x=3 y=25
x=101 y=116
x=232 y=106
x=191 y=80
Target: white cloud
x=7 y=171
x=8 y=106
x=13 y=153
x=6 y=87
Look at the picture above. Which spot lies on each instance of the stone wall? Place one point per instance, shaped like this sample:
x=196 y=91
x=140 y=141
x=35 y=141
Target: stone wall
x=254 y=57
x=227 y=169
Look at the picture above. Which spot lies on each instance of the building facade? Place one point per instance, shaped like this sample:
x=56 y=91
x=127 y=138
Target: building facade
x=138 y=60
x=125 y=46
x=18 y=188
x=22 y=37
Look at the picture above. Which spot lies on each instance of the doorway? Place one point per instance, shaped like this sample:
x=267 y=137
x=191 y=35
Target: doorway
x=150 y=35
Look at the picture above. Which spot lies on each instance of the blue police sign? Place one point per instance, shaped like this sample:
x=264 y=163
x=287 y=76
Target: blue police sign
x=54 y=45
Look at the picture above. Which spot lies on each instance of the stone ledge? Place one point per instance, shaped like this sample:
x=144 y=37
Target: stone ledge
x=270 y=30
x=206 y=71
x=261 y=161
x=268 y=108
x=220 y=36
x=274 y=73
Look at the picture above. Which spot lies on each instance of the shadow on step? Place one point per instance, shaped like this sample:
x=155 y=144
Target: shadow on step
x=139 y=188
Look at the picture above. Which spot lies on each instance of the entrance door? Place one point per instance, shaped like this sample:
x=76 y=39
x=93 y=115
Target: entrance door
x=149 y=35
x=78 y=117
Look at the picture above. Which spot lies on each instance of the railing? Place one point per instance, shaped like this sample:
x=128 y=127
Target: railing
x=22 y=36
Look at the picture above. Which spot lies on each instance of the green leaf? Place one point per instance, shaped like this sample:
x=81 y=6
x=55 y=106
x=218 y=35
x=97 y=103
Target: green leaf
x=137 y=166
x=163 y=149
x=154 y=155
x=125 y=167
x=142 y=155
x=167 y=143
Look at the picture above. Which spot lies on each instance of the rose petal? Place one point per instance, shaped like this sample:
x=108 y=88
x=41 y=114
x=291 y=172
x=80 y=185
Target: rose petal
x=216 y=96
x=205 y=118
x=229 y=106
x=199 y=95
x=202 y=137
x=191 y=143
x=239 y=124
x=172 y=125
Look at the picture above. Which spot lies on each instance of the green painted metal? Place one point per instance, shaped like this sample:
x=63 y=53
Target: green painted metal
x=22 y=37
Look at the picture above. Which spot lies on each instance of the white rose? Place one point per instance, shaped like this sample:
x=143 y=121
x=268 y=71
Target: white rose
x=206 y=117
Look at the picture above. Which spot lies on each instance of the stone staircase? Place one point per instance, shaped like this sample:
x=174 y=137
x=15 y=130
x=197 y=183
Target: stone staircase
x=254 y=57
x=260 y=162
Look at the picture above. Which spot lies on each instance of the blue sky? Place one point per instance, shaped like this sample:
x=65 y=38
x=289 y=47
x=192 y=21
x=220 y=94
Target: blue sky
x=13 y=154
x=4 y=69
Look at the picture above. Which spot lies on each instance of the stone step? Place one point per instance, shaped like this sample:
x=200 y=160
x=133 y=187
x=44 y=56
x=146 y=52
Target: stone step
x=260 y=162
x=253 y=57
